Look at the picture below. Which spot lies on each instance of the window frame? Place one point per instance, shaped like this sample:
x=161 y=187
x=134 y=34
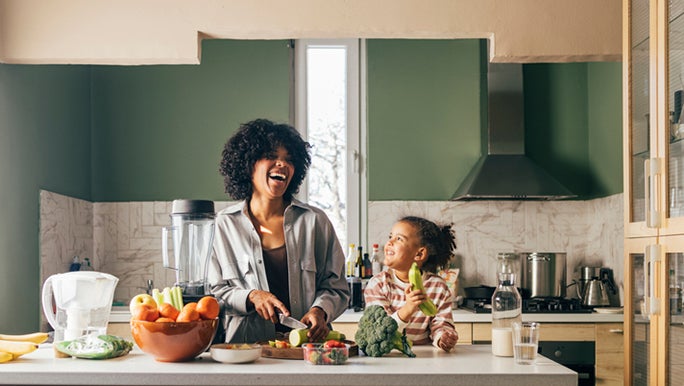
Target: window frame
x=357 y=196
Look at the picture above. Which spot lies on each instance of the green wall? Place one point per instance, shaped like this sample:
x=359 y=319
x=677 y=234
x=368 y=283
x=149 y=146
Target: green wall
x=424 y=116
x=44 y=144
x=426 y=101
x=158 y=131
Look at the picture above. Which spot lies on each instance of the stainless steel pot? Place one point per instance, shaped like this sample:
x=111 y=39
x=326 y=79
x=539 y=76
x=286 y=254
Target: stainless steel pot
x=543 y=274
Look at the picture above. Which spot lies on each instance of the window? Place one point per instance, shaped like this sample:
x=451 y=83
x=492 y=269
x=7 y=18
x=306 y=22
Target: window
x=328 y=112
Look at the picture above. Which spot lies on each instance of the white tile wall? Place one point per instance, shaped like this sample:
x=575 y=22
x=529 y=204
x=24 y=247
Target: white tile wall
x=124 y=238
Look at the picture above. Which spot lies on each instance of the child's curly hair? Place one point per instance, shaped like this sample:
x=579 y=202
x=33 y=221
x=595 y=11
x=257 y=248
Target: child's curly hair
x=256 y=140
x=440 y=241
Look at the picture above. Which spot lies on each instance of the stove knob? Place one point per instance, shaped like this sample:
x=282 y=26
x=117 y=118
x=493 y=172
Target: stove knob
x=558 y=353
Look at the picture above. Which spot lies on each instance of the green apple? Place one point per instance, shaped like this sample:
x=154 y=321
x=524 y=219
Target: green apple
x=142 y=299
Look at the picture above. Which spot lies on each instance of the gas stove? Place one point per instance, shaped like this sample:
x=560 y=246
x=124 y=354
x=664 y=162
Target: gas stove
x=532 y=306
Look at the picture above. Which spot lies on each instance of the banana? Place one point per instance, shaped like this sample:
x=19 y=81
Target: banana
x=17 y=349
x=5 y=357
x=416 y=280
x=35 y=337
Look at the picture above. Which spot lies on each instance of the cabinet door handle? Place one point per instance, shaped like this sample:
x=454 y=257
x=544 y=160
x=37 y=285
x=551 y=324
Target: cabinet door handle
x=651 y=304
x=616 y=331
x=652 y=175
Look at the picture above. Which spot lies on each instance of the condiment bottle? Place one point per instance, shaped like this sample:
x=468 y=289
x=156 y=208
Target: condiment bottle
x=376 y=259
x=349 y=263
x=506 y=309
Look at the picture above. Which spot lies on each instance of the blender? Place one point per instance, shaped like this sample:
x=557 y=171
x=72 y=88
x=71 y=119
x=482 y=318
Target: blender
x=191 y=235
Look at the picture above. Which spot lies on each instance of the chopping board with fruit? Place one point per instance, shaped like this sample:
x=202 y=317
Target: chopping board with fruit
x=292 y=348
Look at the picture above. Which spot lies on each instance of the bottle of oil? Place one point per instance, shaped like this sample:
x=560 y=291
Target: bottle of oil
x=349 y=262
x=359 y=262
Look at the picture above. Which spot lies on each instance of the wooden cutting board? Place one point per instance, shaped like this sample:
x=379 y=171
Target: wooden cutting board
x=298 y=352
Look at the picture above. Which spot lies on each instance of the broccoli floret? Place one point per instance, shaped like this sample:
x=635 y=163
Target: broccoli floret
x=377 y=334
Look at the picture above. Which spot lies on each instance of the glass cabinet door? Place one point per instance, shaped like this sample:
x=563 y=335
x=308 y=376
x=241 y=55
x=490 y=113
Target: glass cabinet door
x=639 y=91
x=675 y=320
x=654 y=319
x=675 y=136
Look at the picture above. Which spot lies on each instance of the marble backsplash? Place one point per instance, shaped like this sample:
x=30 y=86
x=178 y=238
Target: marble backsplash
x=124 y=238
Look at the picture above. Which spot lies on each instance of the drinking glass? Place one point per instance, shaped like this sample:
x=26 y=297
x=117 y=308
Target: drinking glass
x=525 y=342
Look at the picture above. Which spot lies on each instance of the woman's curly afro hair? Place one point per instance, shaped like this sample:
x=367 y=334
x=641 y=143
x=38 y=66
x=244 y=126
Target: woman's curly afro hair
x=256 y=140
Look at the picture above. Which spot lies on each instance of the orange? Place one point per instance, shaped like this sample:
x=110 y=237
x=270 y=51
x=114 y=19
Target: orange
x=145 y=312
x=188 y=313
x=168 y=311
x=164 y=320
x=208 y=307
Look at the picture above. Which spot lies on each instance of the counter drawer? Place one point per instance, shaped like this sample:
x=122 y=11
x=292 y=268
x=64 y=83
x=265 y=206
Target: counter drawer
x=563 y=332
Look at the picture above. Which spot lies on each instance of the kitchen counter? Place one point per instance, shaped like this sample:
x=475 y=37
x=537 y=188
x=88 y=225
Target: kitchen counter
x=467 y=365
x=122 y=315
x=466 y=316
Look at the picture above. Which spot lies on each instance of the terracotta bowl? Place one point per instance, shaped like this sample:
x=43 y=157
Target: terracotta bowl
x=171 y=341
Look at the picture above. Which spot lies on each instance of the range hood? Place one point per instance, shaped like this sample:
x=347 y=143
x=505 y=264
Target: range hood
x=505 y=172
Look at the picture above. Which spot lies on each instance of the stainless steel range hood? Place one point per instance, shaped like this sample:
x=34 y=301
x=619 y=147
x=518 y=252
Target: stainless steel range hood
x=506 y=173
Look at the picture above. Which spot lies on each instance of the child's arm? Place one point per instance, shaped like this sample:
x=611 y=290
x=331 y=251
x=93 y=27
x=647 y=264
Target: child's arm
x=379 y=291
x=442 y=329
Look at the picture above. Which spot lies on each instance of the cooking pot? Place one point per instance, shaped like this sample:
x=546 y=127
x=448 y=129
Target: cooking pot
x=543 y=274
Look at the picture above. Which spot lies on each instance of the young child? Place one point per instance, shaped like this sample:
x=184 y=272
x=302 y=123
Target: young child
x=415 y=239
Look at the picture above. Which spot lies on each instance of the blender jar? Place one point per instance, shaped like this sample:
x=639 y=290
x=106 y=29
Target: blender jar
x=192 y=236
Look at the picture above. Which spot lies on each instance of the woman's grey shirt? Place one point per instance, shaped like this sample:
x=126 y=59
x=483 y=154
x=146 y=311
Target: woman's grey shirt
x=315 y=263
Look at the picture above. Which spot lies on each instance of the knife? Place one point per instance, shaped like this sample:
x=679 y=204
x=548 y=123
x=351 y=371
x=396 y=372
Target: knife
x=290 y=321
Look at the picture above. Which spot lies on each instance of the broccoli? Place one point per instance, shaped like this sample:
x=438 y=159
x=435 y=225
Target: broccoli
x=377 y=334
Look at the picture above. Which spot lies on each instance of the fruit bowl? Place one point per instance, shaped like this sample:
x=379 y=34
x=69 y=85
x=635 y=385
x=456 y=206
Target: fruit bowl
x=235 y=352
x=174 y=341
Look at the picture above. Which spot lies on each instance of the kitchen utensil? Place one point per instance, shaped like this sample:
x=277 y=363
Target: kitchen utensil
x=479 y=292
x=595 y=294
x=298 y=352
x=586 y=275
x=78 y=303
x=290 y=321
x=543 y=274
x=235 y=352
x=192 y=234
x=606 y=275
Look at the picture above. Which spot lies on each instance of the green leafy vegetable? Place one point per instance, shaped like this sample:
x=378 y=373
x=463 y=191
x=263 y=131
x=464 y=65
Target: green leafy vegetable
x=92 y=347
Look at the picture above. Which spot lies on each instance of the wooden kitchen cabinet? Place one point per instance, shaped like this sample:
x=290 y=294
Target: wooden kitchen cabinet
x=610 y=354
x=653 y=132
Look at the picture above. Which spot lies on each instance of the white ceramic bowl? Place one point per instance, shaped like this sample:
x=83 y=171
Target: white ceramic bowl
x=235 y=352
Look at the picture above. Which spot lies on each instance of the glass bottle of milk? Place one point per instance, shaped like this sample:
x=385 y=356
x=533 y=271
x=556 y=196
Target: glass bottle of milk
x=506 y=309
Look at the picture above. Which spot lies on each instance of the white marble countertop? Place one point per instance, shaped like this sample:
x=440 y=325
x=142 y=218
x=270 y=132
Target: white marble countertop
x=121 y=315
x=466 y=365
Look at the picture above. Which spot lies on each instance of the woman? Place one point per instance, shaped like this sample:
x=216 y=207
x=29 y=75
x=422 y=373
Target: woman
x=272 y=253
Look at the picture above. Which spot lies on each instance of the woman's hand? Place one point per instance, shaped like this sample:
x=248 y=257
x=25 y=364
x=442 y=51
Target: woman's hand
x=448 y=340
x=318 y=328
x=266 y=304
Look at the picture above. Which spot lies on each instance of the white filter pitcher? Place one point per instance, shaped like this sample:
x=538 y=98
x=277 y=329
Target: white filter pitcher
x=78 y=303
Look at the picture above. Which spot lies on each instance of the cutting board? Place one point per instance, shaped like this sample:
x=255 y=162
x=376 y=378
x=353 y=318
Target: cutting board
x=297 y=352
